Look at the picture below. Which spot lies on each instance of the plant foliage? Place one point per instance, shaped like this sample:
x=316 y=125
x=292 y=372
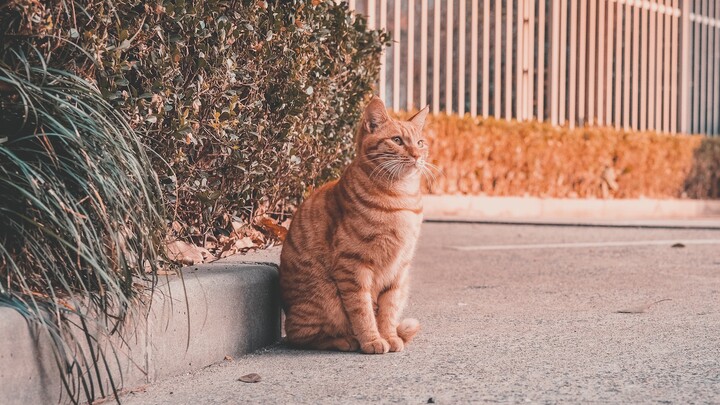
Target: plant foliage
x=503 y=158
x=80 y=218
x=120 y=117
x=245 y=103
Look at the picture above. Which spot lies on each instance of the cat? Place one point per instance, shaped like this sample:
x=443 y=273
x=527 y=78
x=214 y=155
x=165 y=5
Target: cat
x=345 y=260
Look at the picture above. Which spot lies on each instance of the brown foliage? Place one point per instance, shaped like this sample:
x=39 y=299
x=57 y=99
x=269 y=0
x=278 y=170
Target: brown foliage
x=501 y=158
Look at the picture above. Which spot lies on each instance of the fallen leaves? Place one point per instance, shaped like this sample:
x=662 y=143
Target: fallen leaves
x=231 y=237
x=250 y=378
x=678 y=245
x=271 y=227
x=186 y=253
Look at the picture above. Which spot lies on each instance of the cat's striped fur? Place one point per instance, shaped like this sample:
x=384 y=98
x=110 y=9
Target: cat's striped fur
x=344 y=264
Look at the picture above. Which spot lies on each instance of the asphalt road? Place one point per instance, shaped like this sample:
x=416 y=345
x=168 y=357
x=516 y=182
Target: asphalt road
x=516 y=314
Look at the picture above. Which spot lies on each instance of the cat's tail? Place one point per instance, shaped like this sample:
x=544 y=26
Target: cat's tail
x=407 y=329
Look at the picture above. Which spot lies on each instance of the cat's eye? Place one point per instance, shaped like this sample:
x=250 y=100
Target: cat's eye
x=398 y=140
x=421 y=143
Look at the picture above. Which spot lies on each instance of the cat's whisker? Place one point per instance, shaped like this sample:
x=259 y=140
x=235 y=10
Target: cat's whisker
x=383 y=168
x=429 y=175
x=436 y=168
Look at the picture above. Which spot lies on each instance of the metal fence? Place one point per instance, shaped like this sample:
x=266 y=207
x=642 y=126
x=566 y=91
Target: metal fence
x=642 y=65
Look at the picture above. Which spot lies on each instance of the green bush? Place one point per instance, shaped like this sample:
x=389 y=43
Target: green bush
x=120 y=117
x=244 y=103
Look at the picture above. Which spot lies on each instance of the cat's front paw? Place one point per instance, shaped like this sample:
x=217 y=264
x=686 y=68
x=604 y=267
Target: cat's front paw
x=396 y=344
x=377 y=346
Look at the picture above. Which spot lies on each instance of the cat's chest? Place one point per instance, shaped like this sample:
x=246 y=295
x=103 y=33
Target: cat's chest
x=397 y=238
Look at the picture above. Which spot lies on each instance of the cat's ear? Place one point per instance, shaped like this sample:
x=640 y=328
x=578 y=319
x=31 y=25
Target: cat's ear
x=375 y=115
x=419 y=118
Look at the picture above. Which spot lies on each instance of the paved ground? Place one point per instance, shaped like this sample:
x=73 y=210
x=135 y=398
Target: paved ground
x=517 y=323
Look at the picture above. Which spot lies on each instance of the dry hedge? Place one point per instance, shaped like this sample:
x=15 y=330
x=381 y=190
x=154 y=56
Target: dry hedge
x=500 y=158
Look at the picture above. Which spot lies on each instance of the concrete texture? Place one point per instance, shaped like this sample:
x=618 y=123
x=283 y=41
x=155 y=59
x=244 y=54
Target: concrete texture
x=619 y=324
x=477 y=207
x=226 y=308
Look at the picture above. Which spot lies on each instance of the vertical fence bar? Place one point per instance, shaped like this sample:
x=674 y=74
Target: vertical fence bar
x=674 y=66
x=411 y=54
x=397 y=45
x=695 y=120
x=530 y=58
x=659 y=57
x=609 y=61
x=686 y=66
x=666 y=69
x=572 y=102
x=709 y=104
x=383 y=61
x=582 y=117
x=486 y=60
x=636 y=66
x=423 y=53
x=703 y=67
x=498 y=56
x=592 y=67
x=462 y=47
x=650 y=79
x=619 y=65
x=716 y=86
x=450 y=17
x=555 y=63
x=508 y=58
x=601 y=35
x=519 y=62
x=436 y=56
x=371 y=14
x=541 y=61
x=626 y=65
x=563 y=60
x=473 y=57
x=645 y=16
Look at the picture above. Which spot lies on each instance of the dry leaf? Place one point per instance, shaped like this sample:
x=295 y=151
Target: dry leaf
x=228 y=358
x=678 y=245
x=185 y=253
x=270 y=226
x=237 y=245
x=244 y=243
x=250 y=378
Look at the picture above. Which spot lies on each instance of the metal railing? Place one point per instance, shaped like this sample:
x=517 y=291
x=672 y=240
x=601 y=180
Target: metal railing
x=642 y=65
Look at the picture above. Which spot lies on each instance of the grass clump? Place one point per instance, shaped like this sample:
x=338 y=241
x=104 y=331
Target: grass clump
x=80 y=214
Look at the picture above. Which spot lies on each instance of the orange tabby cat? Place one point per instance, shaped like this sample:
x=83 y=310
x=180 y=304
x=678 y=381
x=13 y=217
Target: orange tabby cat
x=344 y=264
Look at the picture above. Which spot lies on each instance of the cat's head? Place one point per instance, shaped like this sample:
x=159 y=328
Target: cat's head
x=393 y=149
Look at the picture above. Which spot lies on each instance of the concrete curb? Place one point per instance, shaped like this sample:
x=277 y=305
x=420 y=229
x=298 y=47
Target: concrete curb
x=233 y=310
x=507 y=208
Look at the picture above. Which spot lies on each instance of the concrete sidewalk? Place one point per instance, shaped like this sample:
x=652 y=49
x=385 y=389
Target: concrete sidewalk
x=569 y=210
x=540 y=315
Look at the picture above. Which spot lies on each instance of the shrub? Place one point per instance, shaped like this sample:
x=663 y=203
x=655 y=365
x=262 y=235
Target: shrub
x=81 y=219
x=501 y=158
x=235 y=105
x=243 y=103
